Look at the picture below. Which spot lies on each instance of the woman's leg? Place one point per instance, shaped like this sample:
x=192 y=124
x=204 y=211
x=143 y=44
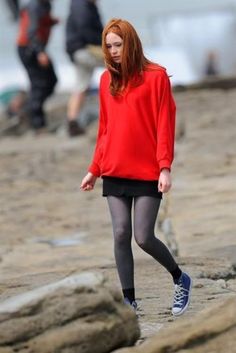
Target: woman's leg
x=120 y=209
x=145 y=214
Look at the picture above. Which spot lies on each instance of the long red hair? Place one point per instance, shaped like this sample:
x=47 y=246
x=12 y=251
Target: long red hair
x=133 y=62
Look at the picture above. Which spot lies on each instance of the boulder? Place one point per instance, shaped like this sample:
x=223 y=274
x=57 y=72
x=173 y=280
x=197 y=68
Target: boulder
x=212 y=330
x=77 y=314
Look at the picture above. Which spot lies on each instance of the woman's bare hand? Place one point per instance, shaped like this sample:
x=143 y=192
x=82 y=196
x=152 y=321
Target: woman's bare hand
x=164 y=184
x=88 y=182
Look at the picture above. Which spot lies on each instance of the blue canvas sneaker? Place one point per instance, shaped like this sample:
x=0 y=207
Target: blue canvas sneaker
x=133 y=304
x=182 y=295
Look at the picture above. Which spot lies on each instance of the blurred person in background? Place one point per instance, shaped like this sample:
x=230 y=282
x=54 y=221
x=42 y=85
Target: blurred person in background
x=212 y=64
x=134 y=153
x=83 y=45
x=35 y=25
x=14 y=7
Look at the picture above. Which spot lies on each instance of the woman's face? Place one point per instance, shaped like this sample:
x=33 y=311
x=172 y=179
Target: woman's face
x=114 y=45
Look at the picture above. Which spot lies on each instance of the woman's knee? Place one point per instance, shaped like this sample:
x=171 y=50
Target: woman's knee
x=143 y=239
x=122 y=235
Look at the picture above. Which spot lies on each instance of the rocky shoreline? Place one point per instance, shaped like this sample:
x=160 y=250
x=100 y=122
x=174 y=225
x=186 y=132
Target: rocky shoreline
x=51 y=230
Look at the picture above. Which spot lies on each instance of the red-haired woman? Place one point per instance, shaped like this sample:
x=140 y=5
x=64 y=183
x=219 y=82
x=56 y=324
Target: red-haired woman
x=133 y=154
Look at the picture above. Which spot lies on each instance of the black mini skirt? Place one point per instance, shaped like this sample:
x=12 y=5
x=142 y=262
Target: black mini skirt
x=129 y=187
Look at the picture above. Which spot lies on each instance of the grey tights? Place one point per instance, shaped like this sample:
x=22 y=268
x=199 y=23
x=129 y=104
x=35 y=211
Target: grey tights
x=145 y=214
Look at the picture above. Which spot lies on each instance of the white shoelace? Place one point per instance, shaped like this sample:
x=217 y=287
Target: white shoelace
x=179 y=294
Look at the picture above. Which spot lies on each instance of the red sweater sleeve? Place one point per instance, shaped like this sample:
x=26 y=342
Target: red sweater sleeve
x=165 y=124
x=95 y=166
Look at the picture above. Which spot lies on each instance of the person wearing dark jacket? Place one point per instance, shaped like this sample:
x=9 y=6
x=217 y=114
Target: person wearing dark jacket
x=83 y=45
x=34 y=31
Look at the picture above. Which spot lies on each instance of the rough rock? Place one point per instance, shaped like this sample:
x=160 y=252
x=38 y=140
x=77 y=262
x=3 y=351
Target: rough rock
x=212 y=330
x=77 y=314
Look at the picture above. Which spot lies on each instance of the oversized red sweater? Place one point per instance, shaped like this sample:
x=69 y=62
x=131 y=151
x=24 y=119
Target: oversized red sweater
x=136 y=130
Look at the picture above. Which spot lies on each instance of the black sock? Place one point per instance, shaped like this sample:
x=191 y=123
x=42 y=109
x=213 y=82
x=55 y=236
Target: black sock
x=129 y=293
x=176 y=274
